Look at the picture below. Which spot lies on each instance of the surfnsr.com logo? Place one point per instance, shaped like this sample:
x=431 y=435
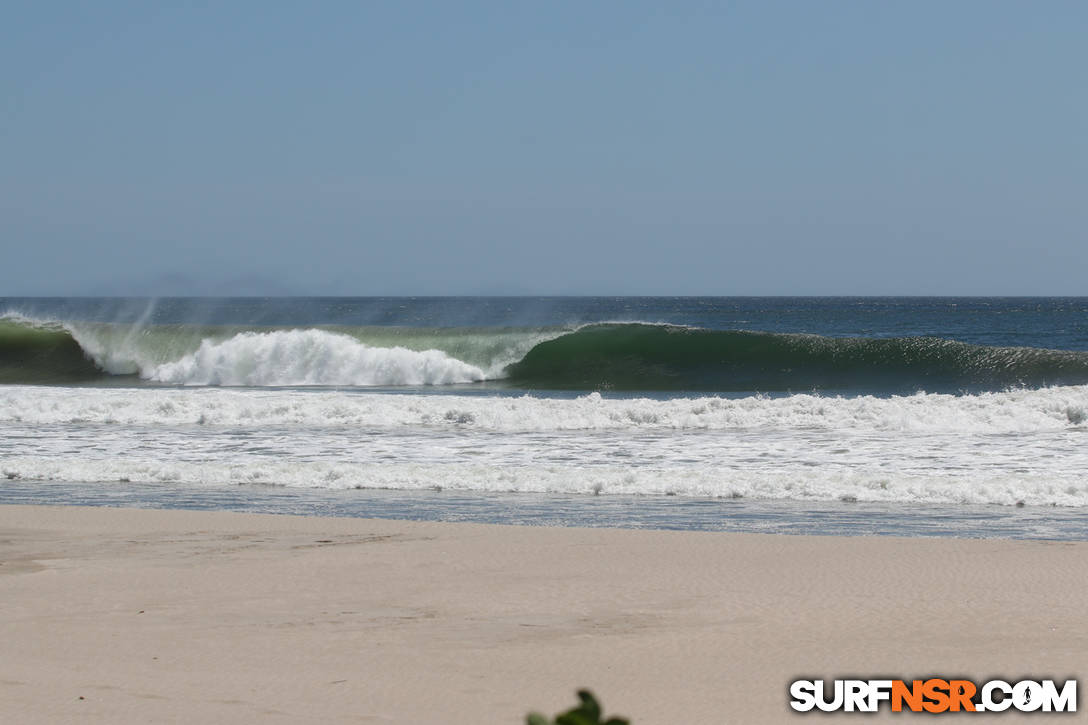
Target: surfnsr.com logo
x=934 y=695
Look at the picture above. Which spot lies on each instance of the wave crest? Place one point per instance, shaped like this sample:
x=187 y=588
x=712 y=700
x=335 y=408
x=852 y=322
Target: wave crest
x=601 y=356
x=41 y=352
x=311 y=357
x=635 y=356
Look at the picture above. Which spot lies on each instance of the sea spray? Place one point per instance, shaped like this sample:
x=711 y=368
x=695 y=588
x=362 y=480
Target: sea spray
x=311 y=357
x=903 y=403
x=602 y=356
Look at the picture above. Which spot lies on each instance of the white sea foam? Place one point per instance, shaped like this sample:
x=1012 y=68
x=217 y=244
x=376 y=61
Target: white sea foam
x=310 y=357
x=781 y=483
x=999 y=448
x=1017 y=411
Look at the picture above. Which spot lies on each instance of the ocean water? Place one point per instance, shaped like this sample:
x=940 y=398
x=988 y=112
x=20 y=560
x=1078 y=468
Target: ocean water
x=912 y=416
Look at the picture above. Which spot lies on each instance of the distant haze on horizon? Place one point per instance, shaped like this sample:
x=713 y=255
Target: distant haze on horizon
x=693 y=148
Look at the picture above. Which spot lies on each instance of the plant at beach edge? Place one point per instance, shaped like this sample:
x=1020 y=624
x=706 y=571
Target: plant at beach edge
x=587 y=713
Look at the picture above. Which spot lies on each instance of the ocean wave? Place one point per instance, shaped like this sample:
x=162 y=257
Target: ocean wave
x=999 y=448
x=310 y=357
x=667 y=357
x=601 y=356
x=783 y=483
x=44 y=351
x=40 y=351
x=1017 y=411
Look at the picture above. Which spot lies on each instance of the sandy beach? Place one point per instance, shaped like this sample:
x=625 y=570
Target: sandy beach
x=123 y=616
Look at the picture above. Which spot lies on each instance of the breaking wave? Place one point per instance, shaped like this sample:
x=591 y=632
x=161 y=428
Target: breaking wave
x=311 y=357
x=604 y=356
x=1049 y=410
x=1007 y=448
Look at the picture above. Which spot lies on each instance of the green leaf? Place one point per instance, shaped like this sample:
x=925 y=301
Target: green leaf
x=574 y=717
x=589 y=706
x=586 y=713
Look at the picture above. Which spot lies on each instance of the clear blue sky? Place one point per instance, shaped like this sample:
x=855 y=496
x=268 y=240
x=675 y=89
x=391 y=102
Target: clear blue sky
x=544 y=147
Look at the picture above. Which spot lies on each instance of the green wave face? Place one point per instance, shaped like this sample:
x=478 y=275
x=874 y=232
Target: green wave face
x=34 y=351
x=620 y=356
x=40 y=355
x=660 y=357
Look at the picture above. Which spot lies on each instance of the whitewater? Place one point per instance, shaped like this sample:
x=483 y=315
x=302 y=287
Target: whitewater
x=948 y=404
x=1017 y=447
x=629 y=356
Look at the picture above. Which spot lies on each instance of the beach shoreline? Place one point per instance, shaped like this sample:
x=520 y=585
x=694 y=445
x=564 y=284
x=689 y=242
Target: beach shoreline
x=135 y=615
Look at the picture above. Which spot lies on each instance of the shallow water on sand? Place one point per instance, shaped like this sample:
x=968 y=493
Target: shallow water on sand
x=533 y=509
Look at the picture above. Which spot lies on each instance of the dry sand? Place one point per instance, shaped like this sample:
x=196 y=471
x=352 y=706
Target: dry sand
x=123 y=616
